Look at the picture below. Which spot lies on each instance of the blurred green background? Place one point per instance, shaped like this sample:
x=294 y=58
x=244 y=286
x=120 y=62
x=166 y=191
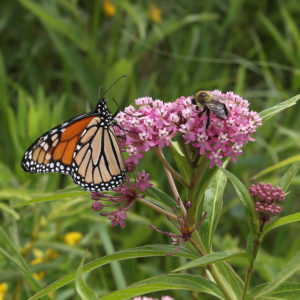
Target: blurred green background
x=54 y=55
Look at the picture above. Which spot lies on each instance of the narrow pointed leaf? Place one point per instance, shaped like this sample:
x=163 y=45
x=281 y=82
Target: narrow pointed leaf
x=160 y=197
x=84 y=291
x=212 y=204
x=213 y=258
x=145 y=251
x=288 y=161
x=57 y=196
x=272 y=111
x=286 y=291
x=245 y=199
x=290 y=268
x=288 y=176
x=166 y=283
x=280 y=222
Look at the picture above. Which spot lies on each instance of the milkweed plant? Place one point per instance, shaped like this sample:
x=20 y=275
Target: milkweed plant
x=194 y=155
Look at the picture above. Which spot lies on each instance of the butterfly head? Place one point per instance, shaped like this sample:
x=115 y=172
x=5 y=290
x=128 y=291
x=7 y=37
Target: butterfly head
x=103 y=110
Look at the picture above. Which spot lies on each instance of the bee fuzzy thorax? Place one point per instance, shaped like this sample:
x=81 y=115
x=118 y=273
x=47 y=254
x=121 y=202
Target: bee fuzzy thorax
x=202 y=97
x=211 y=103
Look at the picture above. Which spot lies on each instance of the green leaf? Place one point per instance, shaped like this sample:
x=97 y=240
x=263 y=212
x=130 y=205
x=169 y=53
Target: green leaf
x=182 y=163
x=166 y=283
x=163 y=200
x=280 y=222
x=8 y=210
x=204 y=182
x=288 y=176
x=121 y=67
x=63 y=25
x=137 y=14
x=116 y=269
x=290 y=268
x=52 y=197
x=213 y=258
x=82 y=71
x=288 y=161
x=286 y=291
x=167 y=28
x=229 y=279
x=145 y=251
x=84 y=291
x=212 y=204
x=274 y=110
x=245 y=198
x=280 y=40
x=14 y=256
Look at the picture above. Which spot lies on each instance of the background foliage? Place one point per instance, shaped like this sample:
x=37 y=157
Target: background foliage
x=53 y=57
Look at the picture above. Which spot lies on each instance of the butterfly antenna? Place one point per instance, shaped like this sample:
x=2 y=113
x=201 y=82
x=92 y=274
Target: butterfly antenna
x=123 y=76
x=99 y=91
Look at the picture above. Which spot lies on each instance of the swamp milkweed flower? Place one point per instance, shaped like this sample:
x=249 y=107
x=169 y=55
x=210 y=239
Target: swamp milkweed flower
x=266 y=199
x=150 y=298
x=123 y=198
x=184 y=227
x=163 y=121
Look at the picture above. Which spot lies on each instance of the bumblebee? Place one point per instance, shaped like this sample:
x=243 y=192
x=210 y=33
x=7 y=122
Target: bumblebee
x=210 y=103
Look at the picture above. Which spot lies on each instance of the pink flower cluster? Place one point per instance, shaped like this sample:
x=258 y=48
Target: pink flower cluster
x=266 y=199
x=155 y=123
x=124 y=197
x=150 y=298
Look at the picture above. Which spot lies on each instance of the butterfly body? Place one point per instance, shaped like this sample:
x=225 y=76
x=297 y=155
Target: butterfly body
x=84 y=147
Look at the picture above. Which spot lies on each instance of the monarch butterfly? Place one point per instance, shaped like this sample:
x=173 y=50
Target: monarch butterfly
x=84 y=147
x=210 y=103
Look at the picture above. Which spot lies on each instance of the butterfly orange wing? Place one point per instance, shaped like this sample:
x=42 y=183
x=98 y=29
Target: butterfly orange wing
x=82 y=147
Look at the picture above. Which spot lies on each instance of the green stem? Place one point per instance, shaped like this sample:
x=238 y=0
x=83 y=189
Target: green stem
x=196 y=241
x=157 y=208
x=161 y=157
x=172 y=184
x=193 y=184
x=199 y=172
x=255 y=249
x=223 y=285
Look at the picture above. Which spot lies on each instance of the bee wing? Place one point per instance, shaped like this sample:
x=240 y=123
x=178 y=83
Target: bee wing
x=218 y=108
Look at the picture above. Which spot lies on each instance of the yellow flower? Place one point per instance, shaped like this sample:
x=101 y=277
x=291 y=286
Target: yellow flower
x=3 y=289
x=155 y=14
x=109 y=8
x=40 y=275
x=51 y=254
x=38 y=254
x=36 y=261
x=51 y=295
x=72 y=238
